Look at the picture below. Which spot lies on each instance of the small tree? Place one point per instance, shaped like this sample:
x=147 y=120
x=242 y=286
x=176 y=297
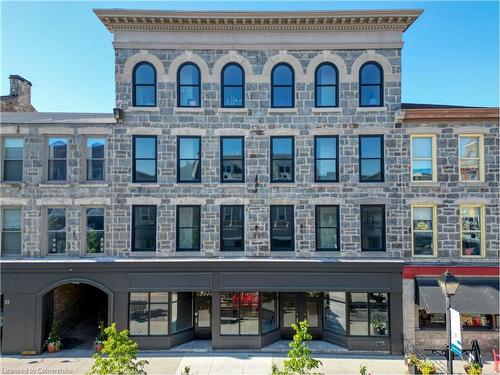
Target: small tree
x=300 y=360
x=118 y=355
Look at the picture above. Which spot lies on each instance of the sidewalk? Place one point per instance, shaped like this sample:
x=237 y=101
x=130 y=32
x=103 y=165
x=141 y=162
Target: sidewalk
x=215 y=363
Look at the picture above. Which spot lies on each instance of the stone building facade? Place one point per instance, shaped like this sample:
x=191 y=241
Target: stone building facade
x=19 y=98
x=258 y=290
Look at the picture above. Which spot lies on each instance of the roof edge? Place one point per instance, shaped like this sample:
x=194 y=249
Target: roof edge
x=451 y=114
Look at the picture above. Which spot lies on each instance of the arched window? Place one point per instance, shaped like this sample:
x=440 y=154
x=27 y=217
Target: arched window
x=371 y=85
x=326 y=85
x=144 y=85
x=188 y=85
x=282 y=86
x=233 y=86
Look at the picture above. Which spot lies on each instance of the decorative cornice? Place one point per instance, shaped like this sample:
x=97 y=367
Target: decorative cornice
x=451 y=114
x=151 y=20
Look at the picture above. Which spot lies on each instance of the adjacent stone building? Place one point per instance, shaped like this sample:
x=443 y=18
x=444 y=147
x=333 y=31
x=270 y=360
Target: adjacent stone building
x=19 y=98
x=257 y=170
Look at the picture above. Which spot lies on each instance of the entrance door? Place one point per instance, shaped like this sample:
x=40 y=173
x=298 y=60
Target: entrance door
x=203 y=315
x=295 y=307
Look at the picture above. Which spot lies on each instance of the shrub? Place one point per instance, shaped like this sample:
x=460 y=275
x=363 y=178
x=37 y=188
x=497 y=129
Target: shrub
x=118 y=355
x=300 y=360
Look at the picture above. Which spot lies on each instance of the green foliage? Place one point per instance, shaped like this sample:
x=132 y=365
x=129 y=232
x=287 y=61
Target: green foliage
x=473 y=368
x=53 y=338
x=186 y=370
x=426 y=367
x=101 y=336
x=363 y=369
x=411 y=359
x=118 y=356
x=300 y=360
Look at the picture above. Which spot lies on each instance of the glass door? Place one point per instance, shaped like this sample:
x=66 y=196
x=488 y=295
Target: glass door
x=203 y=315
x=295 y=307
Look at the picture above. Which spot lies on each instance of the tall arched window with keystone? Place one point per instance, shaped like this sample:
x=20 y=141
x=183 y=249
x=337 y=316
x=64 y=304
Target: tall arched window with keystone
x=326 y=86
x=233 y=86
x=282 y=86
x=188 y=85
x=144 y=85
x=371 y=85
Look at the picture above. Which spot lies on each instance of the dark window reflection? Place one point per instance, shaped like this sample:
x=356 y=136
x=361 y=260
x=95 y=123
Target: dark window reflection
x=144 y=228
x=189 y=88
x=13 y=159
x=233 y=92
x=232 y=228
x=188 y=228
x=371 y=86
x=189 y=159
x=233 y=159
x=282 y=228
x=371 y=158
x=327 y=230
x=144 y=159
x=282 y=86
x=56 y=230
x=372 y=228
x=326 y=151
x=144 y=90
x=58 y=148
x=282 y=159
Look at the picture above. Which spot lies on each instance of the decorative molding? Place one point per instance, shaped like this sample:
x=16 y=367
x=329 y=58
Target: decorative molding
x=144 y=131
x=95 y=131
x=5 y=201
x=452 y=114
x=144 y=20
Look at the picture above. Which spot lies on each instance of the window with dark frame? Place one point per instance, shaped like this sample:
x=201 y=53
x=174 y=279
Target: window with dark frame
x=96 y=159
x=232 y=228
x=188 y=85
x=470 y=322
x=144 y=85
x=57 y=160
x=148 y=314
x=327 y=228
x=94 y=229
x=282 y=159
x=239 y=313
x=326 y=85
x=282 y=228
x=232 y=159
x=11 y=231
x=326 y=163
x=282 y=86
x=189 y=159
x=144 y=166
x=143 y=228
x=372 y=228
x=368 y=314
x=233 y=86
x=13 y=159
x=371 y=85
x=56 y=230
x=188 y=228
x=371 y=158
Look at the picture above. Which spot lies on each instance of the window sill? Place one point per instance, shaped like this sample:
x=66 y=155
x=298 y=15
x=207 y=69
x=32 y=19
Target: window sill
x=232 y=110
x=425 y=183
x=143 y=109
x=326 y=110
x=325 y=184
x=55 y=184
x=143 y=184
x=282 y=110
x=142 y=254
x=188 y=110
x=12 y=184
x=94 y=184
x=472 y=183
x=189 y=184
x=371 y=109
x=282 y=184
x=231 y=185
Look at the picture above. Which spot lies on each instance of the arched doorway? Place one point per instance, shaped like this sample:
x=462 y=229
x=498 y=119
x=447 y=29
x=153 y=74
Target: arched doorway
x=77 y=308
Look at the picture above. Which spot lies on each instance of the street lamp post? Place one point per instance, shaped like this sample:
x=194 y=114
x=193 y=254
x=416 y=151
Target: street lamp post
x=449 y=285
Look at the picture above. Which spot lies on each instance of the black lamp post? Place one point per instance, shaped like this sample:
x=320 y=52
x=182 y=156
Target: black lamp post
x=449 y=285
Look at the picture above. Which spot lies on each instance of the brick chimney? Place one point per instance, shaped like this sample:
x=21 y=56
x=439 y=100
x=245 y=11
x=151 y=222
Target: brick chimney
x=19 y=99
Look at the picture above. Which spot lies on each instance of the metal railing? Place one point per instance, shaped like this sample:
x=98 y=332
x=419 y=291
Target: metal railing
x=440 y=365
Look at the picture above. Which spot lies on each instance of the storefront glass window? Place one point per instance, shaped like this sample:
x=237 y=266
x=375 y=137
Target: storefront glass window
x=181 y=311
x=469 y=321
x=240 y=313
x=269 y=311
x=335 y=312
x=368 y=314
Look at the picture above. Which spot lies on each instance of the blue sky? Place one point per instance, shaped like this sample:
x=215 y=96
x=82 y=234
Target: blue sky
x=451 y=53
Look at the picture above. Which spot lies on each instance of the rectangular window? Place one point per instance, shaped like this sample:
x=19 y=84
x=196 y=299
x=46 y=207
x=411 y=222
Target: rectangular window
x=471 y=157
x=471 y=230
x=94 y=230
x=368 y=314
x=188 y=159
x=282 y=228
x=56 y=230
x=269 y=311
x=182 y=311
x=232 y=228
x=143 y=228
x=11 y=231
x=148 y=314
x=424 y=227
x=326 y=159
x=232 y=151
x=188 y=228
x=13 y=159
x=239 y=313
x=373 y=228
x=371 y=158
x=423 y=167
x=335 y=312
x=469 y=321
x=144 y=158
x=57 y=161
x=282 y=159
x=96 y=166
x=327 y=228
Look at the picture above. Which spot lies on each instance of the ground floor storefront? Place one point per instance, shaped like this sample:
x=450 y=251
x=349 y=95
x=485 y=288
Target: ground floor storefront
x=477 y=301
x=236 y=304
